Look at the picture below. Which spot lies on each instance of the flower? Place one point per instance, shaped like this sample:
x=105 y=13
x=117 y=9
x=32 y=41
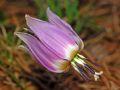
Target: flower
x=55 y=45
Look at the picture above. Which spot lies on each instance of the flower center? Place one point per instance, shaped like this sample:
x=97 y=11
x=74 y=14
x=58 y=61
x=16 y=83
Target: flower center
x=84 y=68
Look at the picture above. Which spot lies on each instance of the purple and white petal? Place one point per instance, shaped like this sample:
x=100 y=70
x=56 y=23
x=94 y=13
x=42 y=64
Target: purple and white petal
x=54 y=19
x=39 y=26
x=42 y=54
x=52 y=37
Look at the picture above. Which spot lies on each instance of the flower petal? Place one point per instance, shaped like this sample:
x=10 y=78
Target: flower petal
x=51 y=36
x=39 y=26
x=54 y=19
x=48 y=59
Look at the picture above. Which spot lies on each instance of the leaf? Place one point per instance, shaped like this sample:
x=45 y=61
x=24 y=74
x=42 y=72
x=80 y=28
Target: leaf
x=71 y=9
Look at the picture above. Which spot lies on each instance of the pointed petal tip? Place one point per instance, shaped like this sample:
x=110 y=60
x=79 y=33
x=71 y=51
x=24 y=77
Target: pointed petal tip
x=49 y=12
x=29 y=20
x=17 y=33
x=20 y=35
x=26 y=16
x=48 y=9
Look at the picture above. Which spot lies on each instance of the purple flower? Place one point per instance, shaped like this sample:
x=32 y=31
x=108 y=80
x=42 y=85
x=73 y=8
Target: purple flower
x=55 y=45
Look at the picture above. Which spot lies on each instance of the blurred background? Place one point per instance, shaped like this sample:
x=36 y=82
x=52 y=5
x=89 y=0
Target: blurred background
x=97 y=22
